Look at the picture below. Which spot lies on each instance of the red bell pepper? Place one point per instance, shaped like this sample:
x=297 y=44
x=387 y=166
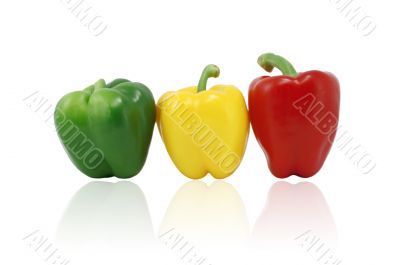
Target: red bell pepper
x=294 y=117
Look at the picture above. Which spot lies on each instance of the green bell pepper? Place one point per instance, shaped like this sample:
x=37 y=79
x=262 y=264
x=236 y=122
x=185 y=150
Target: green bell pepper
x=106 y=130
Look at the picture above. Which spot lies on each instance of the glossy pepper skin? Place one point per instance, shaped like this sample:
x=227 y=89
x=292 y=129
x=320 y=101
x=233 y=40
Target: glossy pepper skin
x=294 y=117
x=106 y=130
x=204 y=131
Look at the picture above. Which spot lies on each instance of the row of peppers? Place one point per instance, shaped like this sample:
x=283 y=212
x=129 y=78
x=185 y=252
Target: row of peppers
x=106 y=129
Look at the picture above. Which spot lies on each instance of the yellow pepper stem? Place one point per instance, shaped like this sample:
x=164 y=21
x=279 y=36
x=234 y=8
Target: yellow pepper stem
x=210 y=70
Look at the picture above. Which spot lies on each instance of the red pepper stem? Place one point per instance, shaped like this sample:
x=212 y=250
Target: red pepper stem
x=210 y=70
x=100 y=84
x=269 y=60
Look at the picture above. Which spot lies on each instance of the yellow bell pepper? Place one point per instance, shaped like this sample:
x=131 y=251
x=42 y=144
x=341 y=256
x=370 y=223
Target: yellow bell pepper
x=204 y=131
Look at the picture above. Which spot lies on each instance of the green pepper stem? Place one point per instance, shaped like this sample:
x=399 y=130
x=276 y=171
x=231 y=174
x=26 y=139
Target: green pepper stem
x=100 y=84
x=210 y=70
x=269 y=60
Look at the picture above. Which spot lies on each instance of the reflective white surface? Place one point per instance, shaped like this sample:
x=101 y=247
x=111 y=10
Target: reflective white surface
x=292 y=209
x=105 y=216
x=211 y=218
x=108 y=222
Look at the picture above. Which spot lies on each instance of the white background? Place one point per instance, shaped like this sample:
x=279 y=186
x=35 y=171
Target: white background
x=248 y=219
